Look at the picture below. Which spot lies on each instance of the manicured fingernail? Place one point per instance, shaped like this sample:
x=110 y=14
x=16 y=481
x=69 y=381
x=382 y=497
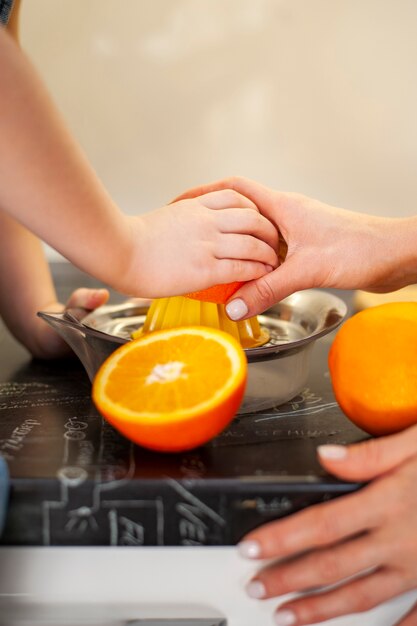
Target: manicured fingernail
x=249 y=549
x=333 y=453
x=236 y=309
x=285 y=618
x=256 y=589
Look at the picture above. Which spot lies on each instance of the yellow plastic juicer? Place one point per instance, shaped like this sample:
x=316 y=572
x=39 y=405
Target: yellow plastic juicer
x=177 y=311
x=207 y=308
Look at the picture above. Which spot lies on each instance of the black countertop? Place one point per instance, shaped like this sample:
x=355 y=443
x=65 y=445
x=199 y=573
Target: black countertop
x=76 y=481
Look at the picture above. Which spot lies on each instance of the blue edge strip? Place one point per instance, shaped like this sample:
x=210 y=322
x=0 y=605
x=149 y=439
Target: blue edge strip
x=4 y=492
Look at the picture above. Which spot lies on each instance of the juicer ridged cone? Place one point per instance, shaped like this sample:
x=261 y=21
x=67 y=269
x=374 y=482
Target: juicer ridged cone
x=180 y=311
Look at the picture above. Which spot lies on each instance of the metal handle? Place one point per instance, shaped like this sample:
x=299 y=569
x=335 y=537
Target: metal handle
x=72 y=318
x=69 y=317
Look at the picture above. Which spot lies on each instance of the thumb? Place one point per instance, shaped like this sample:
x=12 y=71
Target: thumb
x=369 y=459
x=258 y=295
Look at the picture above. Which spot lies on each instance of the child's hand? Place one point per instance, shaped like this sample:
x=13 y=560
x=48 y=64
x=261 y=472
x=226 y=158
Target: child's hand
x=45 y=342
x=370 y=534
x=190 y=245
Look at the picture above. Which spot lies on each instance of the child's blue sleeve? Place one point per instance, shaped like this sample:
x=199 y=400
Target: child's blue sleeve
x=5 y=10
x=4 y=492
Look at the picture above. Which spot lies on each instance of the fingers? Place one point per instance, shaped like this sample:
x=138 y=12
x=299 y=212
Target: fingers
x=257 y=296
x=318 y=526
x=52 y=345
x=366 y=460
x=225 y=199
x=356 y=596
x=226 y=270
x=224 y=183
x=246 y=247
x=317 y=569
x=247 y=221
x=259 y=194
x=88 y=299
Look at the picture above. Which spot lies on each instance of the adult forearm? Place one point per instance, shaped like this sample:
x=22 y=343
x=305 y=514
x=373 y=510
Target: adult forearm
x=47 y=183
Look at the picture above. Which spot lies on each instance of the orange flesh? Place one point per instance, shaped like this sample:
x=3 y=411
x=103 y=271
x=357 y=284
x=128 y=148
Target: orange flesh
x=219 y=294
x=174 y=389
x=134 y=370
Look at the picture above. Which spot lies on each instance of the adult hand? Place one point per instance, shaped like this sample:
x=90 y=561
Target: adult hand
x=196 y=243
x=365 y=543
x=46 y=343
x=327 y=247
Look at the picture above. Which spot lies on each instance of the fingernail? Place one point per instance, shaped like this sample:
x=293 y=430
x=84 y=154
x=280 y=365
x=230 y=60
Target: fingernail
x=249 y=549
x=256 y=589
x=236 y=309
x=285 y=618
x=333 y=453
x=269 y=268
x=94 y=299
x=97 y=294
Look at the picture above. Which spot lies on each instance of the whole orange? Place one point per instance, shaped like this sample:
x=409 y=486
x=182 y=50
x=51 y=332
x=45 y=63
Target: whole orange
x=174 y=389
x=373 y=367
x=218 y=293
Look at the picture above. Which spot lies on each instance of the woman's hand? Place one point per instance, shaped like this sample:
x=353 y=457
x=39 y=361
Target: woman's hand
x=327 y=247
x=365 y=543
x=45 y=343
x=193 y=244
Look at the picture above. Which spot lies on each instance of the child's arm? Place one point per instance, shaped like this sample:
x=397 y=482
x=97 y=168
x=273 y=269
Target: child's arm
x=48 y=185
x=25 y=280
x=26 y=287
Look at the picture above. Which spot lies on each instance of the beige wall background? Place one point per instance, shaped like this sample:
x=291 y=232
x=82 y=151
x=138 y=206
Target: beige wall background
x=316 y=96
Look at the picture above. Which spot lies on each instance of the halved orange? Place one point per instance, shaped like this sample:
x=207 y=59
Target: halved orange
x=218 y=293
x=373 y=367
x=174 y=389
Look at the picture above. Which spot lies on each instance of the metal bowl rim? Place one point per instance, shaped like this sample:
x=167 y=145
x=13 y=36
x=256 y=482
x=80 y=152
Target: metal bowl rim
x=329 y=304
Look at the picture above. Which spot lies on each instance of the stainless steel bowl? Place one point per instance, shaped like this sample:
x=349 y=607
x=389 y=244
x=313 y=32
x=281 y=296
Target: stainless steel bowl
x=277 y=370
